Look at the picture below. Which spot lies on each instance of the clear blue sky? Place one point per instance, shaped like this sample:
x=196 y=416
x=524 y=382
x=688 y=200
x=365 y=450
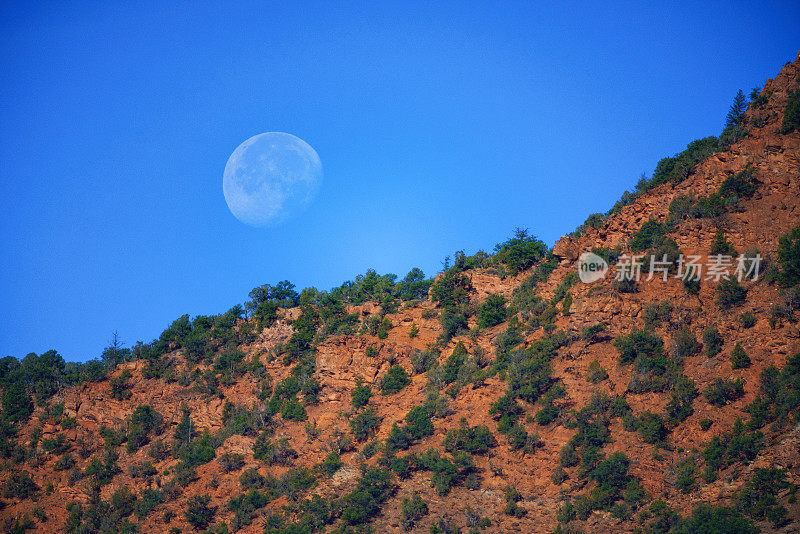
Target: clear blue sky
x=439 y=127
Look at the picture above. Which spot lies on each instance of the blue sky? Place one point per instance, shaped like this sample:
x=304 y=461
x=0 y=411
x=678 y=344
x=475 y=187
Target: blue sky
x=440 y=127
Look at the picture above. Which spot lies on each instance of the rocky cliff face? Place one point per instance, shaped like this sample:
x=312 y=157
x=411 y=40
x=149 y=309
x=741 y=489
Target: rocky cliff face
x=664 y=308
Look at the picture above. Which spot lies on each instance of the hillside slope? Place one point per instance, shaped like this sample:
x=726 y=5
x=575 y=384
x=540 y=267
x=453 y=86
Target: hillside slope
x=607 y=406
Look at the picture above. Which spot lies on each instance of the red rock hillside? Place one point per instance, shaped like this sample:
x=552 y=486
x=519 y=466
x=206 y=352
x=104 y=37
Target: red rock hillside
x=512 y=398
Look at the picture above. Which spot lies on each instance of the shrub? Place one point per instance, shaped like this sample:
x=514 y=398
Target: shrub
x=417 y=425
x=681 y=208
x=612 y=473
x=373 y=488
x=566 y=304
x=395 y=380
x=739 y=358
x=722 y=391
x=592 y=333
x=748 y=319
x=791 y=114
x=525 y=299
x=429 y=313
x=686 y=476
x=685 y=345
x=383 y=329
x=365 y=423
x=656 y=313
x=331 y=464
x=451 y=290
x=20 y=485
x=520 y=252
x=158 y=450
x=185 y=430
x=721 y=246
x=17 y=405
x=453 y=321
x=568 y=456
x=638 y=343
x=413 y=509
x=414 y=331
x=705 y=423
x=474 y=440
x=559 y=475
x=104 y=471
x=121 y=386
x=676 y=169
x=595 y=373
x=142 y=470
x=69 y=423
x=730 y=293
x=360 y=395
x=679 y=406
x=789 y=255
x=231 y=461
x=422 y=361
x=713 y=519
x=413 y=286
x=64 y=462
x=648 y=235
x=198 y=451
x=651 y=427
x=252 y=479
x=492 y=312
x=758 y=498
x=690 y=283
x=710 y=207
x=245 y=507
x=512 y=498
x=292 y=410
x=296 y=480
x=123 y=501
x=548 y=414
x=740 y=185
x=198 y=512
x=738 y=445
x=57 y=444
x=278 y=453
x=144 y=421
x=454 y=363
x=712 y=341
x=779 y=395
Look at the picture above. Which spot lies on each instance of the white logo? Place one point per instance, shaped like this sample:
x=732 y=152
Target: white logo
x=591 y=267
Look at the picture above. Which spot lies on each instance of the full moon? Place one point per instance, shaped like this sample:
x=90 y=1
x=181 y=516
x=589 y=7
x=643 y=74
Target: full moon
x=271 y=177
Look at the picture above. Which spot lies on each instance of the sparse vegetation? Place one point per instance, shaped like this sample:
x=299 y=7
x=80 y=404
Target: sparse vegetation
x=474 y=440
x=360 y=395
x=723 y=391
x=712 y=340
x=739 y=358
x=492 y=312
x=395 y=380
x=747 y=319
x=595 y=373
x=198 y=512
x=730 y=293
x=789 y=254
x=791 y=114
x=364 y=423
x=414 y=509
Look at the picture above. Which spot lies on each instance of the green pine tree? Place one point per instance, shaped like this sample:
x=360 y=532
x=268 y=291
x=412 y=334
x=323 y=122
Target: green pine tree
x=737 y=109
